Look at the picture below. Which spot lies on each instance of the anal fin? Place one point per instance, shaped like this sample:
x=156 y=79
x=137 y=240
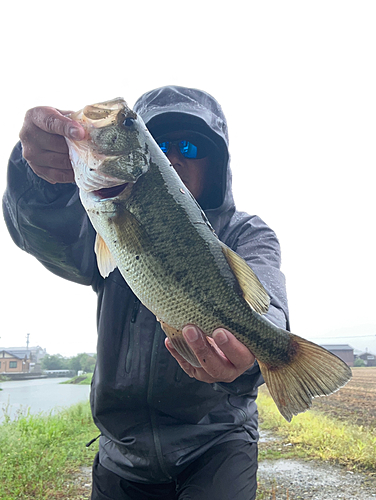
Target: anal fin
x=179 y=343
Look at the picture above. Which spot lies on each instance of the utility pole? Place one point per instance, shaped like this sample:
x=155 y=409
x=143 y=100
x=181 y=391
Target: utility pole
x=27 y=341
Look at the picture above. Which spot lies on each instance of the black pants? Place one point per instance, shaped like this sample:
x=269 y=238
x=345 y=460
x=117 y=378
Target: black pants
x=225 y=472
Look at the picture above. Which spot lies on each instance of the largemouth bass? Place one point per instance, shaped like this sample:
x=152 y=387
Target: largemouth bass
x=149 y=226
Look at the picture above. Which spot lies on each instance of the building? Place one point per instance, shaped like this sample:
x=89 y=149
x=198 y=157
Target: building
x=343 y=351
x=34 y=354
x=368 y=358
x=10 y=363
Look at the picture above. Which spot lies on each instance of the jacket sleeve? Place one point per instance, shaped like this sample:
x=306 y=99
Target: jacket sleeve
x=259 y=247
x=253 y=240
x=49 y=222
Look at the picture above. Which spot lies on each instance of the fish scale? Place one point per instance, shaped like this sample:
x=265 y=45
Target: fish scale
x=160 y=267
x=152 y=229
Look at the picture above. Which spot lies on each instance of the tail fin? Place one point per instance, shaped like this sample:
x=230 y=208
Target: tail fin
x=312 y=372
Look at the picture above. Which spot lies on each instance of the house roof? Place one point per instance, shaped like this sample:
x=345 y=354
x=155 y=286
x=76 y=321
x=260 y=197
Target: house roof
x=21 y=353
x=337 y=347
x=366 y=352
x=10 y=354
x=22 y=348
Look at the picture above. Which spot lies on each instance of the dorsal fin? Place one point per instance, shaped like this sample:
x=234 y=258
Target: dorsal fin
x=253 y=291
x=106 y=263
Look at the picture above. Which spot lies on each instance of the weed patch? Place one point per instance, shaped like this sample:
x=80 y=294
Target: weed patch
x=39 y=454
x=322 y=437
x=80 y=379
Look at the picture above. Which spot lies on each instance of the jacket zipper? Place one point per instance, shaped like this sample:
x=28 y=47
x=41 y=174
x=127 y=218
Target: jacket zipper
x=153 y=418
x=128 y=359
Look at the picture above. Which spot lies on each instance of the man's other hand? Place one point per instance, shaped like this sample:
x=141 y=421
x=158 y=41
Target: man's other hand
x=43 y=143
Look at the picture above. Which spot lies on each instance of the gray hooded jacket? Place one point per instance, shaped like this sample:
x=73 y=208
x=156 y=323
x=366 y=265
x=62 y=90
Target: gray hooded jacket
x=154 y=419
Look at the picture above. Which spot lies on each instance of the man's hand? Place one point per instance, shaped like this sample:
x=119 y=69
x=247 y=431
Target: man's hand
x=222 y=359
x=44 y=146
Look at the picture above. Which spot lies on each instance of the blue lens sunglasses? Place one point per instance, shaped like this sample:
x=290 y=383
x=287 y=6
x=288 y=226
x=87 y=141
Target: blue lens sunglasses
x=199 y=148
x=186 y=148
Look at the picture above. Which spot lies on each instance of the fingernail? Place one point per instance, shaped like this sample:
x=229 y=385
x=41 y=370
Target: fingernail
x=190 y=334
x=75 y=133
x=220 y=337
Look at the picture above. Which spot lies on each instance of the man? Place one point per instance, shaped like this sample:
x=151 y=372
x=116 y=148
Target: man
x=168 y=430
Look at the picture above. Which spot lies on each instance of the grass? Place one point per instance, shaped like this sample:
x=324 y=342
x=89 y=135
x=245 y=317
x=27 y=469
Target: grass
x=317 y=436
x=313 y=435
x=40 y=454
x=3 y=378
x=80 y=379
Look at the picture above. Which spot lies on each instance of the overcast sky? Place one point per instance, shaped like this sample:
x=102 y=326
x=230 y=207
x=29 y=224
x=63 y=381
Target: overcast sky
x=297 y=83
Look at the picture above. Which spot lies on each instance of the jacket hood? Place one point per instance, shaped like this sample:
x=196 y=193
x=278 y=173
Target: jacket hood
x=172 y=108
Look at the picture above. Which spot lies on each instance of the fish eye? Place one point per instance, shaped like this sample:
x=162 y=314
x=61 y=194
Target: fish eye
x=128 y=122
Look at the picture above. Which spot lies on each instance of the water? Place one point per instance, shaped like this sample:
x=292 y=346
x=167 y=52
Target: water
x=39 y=395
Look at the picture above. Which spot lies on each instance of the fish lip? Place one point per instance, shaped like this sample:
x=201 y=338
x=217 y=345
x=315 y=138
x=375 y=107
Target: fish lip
x=109 y=193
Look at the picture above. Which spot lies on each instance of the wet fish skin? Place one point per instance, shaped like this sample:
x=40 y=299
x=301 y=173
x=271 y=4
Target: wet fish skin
x=153 y=230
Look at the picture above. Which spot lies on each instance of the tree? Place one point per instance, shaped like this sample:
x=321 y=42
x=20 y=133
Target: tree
x=359 y=362
x=82 y=362
x=88 y=364
x=54 y=362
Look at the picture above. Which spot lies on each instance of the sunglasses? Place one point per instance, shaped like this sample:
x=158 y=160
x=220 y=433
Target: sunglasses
x=200 y=148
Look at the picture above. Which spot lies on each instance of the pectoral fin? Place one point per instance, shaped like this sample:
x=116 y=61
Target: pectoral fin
x=253 y=291
x=106 y=263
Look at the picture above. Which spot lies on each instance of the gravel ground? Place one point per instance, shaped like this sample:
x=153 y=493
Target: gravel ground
x=292 y=479
x=82 y=481
x=295 y=479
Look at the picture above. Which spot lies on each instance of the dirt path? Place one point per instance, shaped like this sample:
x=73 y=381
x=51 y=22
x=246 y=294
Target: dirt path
x=82 y=484
x=292 y=479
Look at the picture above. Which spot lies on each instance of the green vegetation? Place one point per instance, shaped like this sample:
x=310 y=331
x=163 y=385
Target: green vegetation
x=3 y=378
x=360 y=363
x=84 y=379
x=314 y=435
x=82 y=361
x=41 y=454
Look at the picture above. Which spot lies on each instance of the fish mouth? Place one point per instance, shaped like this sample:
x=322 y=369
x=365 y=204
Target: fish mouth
x=110 y=192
